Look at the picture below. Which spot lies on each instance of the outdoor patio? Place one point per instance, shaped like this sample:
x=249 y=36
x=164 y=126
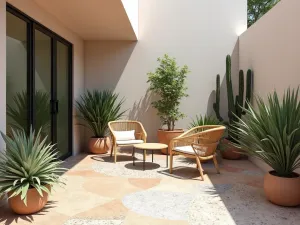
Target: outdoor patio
x=99 y=192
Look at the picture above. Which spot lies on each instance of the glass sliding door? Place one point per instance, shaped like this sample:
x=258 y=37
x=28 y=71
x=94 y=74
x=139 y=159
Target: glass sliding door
x=39 y=80
x=62 y=96
x=42 y=81
x=16 y=73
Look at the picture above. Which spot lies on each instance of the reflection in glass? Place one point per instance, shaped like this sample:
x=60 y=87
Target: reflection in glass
x=16 y=71
x=19 y=109
x=63 y=98
x=42 y=74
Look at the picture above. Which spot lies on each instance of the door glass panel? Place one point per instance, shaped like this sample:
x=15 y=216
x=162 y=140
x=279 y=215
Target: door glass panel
x=42 y=114
x=63 y=98
x=16 y=73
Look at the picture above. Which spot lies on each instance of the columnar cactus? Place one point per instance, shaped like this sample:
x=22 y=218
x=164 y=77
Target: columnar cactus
x=235 y=106
x=216 y=105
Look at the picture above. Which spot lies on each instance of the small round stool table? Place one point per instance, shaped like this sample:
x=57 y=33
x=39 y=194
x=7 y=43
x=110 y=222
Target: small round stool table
x=148 y=147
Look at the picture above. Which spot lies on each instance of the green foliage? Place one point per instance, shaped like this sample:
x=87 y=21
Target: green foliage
x=28 y=162
x=17 y=111
x=235 y=106
x=168 y=82
x=204 y=120
x=257 y=8
x=97 y=108
x=271 y=132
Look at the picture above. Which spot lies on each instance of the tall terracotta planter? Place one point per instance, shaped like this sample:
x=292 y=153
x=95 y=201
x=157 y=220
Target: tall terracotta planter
x=35 y=202
x=99 y=145
x=231 y=152
x=281 y=190
x=165 y=137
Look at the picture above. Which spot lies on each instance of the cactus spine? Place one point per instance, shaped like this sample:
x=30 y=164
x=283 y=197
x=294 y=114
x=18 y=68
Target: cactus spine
x=235 y=105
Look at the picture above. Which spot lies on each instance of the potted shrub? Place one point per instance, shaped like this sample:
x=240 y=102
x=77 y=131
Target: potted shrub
x=235 y=108
x=96 y=109
x=168 y=82
x=271 y=132
x=28 y=169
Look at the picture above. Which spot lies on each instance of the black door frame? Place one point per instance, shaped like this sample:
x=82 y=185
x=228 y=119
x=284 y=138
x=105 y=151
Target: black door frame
x=33 y=25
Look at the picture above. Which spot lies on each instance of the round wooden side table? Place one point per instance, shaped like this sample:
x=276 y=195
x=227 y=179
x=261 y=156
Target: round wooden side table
x=148 y=147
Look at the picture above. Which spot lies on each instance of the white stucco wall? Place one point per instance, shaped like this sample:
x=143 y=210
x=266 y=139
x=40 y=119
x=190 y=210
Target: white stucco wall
x=271 y=47
x=2 y=69
x=33 y=10
x=197 y=33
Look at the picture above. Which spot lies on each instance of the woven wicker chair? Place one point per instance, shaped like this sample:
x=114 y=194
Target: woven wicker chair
x=200 y=143
x=126 y=125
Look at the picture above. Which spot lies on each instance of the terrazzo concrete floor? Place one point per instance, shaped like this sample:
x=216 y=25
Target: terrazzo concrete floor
x=99 y=192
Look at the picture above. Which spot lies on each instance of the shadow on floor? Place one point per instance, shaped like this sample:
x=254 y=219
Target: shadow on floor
x=7 y=216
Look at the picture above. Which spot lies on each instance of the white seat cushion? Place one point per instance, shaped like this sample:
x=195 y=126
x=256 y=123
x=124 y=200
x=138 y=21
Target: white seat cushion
x=185 y=149
x=130 y=142
x=124 y=135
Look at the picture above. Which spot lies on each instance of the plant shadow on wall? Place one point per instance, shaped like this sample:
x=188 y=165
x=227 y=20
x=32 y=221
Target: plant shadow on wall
x=144 y=113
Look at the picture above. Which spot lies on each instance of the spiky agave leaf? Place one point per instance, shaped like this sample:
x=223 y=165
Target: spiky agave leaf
x=28 y=162
x=204 y=120
x=97 y=108
x=271 y=132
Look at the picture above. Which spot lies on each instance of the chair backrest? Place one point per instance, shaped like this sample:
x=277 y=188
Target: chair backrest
x=126 y=125
x=205 y=137
x=206 y=141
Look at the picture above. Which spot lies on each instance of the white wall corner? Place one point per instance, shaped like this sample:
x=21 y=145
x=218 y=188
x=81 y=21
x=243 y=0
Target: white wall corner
x=132 y=9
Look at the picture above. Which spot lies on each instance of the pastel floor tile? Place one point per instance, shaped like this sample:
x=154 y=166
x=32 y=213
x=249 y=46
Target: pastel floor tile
x=144 y=183
x=111 y=210
x=111 y=187
x=72 y=203
x=92 y=222
x=100 y=192
x=84 y=173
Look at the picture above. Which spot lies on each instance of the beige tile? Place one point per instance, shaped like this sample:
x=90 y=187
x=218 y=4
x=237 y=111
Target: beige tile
x=112 y=187
x=111 y=210
x=144 y=183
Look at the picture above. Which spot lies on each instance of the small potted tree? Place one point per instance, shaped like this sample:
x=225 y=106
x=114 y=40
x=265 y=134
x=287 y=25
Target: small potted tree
x=271 y=132
x=96 y=109
x=169 y=83
x=29 y=167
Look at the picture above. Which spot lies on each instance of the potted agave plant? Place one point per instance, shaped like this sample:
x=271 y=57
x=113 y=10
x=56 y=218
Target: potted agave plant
x=96 y=109
x=271 y=132
x=28 y=169
x=169 y=83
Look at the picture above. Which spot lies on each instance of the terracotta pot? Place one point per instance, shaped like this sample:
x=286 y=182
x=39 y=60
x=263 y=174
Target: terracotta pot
x=231 y=152
x=99 y=145
x=35 y=202
x=282 y=190
x=165 y=137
